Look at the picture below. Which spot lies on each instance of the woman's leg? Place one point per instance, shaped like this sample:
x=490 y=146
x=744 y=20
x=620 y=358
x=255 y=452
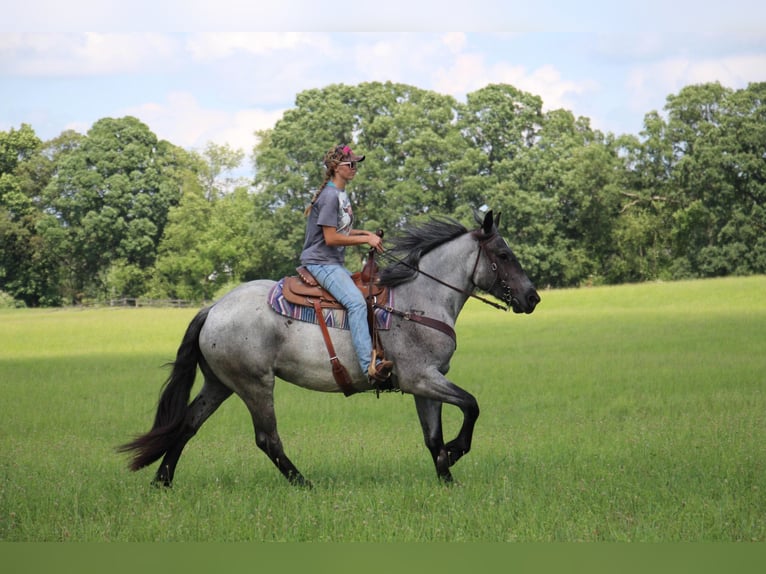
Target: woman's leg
x=337 y=280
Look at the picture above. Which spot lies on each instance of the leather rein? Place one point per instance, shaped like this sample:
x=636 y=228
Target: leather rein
x=418 y=317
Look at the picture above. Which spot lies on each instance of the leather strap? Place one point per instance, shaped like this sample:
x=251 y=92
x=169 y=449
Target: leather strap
x=369 y=274
x=440 y=326
x=339 y=372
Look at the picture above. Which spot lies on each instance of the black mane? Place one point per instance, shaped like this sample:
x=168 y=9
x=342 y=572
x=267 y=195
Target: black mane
x=414 y=241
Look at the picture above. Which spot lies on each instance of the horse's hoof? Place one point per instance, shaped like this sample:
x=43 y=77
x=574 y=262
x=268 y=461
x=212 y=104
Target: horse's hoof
x=446 y=480
x=298 y=480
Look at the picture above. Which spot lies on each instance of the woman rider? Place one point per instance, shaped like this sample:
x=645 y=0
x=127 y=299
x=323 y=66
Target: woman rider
x=329 y=230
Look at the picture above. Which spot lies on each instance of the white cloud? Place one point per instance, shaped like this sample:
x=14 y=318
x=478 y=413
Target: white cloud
x=424 y=15
x=78 y=15
x=395 y=57
x=469 y=72
x=464 y=75
x=181 y=120
x=240 y=132
x=671 y=75
x=554 y=90
x=227 y=85
x=455 y=41
x=82 y=54
x=217 y=45
x=734 y=71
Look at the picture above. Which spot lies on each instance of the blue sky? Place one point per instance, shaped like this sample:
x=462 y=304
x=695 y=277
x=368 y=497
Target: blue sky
x=199 y=71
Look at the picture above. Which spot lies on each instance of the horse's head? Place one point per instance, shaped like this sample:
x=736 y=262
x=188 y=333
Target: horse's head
x=498 y=272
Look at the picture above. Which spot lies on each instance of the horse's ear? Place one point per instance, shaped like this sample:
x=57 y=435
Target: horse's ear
x=497 y=221
x=486 y=227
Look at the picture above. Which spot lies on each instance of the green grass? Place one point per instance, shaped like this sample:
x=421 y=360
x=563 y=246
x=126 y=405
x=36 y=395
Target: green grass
x=632 y=413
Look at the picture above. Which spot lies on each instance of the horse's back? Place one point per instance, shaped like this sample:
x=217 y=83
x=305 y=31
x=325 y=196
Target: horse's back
x=244 y=340
x=238 y=306
x=246 y=294
x=232 y=323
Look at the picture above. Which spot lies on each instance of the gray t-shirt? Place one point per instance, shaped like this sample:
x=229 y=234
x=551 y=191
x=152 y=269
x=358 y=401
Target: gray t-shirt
x=333 y=209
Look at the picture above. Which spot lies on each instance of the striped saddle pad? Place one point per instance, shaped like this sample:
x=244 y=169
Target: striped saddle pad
x=337 y=318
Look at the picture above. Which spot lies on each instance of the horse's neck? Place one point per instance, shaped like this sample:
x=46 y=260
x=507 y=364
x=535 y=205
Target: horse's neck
x=450 y=263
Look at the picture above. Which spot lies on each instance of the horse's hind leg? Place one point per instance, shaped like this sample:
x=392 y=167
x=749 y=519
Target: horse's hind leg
x=259 y=398
x=210 y=397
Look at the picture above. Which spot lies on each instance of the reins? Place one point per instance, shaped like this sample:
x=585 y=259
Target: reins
x=418 y=316
x=482 y=244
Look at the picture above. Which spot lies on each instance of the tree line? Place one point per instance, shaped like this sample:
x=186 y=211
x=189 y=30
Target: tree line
x=116 y=212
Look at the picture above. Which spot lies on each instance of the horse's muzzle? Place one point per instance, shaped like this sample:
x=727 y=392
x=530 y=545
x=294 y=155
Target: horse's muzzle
x=527 y=303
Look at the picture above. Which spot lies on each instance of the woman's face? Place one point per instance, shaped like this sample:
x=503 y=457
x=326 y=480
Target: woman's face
x=347 y=170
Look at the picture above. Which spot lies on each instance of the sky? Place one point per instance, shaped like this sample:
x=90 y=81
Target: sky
x=198 y=71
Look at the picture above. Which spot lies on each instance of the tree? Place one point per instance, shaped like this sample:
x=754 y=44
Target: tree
x=218 y=161
x=181 y=272
x=111 y=195
x=501 y=121
x=555 y=183
x=116 y=212
x=408 y=134
x=29 y=257
x=719 y=180
x=208 y=244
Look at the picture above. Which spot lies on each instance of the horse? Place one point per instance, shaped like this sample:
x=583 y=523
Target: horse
x=241 y=346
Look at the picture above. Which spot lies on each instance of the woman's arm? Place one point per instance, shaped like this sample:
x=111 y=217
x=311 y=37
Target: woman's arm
x=355 y=237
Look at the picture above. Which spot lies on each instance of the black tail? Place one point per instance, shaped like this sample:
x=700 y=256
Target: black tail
x=174 y=400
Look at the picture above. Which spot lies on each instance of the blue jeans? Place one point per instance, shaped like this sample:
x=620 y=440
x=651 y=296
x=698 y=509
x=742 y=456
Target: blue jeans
x=337 y=280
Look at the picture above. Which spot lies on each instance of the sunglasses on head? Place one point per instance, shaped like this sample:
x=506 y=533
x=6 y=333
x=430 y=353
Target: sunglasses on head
x=351 y=164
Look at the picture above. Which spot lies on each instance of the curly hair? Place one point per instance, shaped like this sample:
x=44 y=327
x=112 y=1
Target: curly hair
x=332 y=159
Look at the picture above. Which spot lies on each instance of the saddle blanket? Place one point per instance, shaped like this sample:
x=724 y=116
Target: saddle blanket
x=337 y=318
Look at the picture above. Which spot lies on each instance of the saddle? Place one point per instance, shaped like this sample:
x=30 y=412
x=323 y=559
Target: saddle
x=305 y=290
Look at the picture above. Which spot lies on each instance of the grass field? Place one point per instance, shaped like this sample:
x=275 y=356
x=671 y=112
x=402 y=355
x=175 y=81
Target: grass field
x=632 y=413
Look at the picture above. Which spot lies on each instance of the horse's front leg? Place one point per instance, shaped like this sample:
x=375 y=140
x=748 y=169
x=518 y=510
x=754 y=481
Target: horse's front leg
x=428 y=400
x=461 y=444
x=430 y=414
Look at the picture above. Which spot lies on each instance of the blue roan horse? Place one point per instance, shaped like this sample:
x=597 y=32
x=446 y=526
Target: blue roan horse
x=242 y=345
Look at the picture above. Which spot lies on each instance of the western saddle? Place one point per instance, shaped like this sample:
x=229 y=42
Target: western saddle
x=304 y=290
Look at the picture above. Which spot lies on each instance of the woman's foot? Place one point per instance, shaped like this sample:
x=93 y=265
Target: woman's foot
x=381 y=372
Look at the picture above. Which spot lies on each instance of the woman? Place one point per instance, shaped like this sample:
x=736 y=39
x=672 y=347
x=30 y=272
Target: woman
x=328 y=231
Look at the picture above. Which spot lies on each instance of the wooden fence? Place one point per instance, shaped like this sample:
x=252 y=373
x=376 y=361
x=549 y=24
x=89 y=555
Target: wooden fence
x=141 y=302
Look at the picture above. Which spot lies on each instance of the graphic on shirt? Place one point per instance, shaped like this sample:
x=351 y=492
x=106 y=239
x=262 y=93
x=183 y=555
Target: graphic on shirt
x=345 y=213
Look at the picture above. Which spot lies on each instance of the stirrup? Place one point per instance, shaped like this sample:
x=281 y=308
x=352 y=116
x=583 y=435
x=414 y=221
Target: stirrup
x=380 y=371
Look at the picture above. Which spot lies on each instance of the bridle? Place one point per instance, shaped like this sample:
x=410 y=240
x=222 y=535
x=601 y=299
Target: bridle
x=493 y=265
x=419 y=317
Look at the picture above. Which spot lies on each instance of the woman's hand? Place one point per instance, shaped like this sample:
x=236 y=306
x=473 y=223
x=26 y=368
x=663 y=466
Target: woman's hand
x=355 y=237
x=375 y=241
